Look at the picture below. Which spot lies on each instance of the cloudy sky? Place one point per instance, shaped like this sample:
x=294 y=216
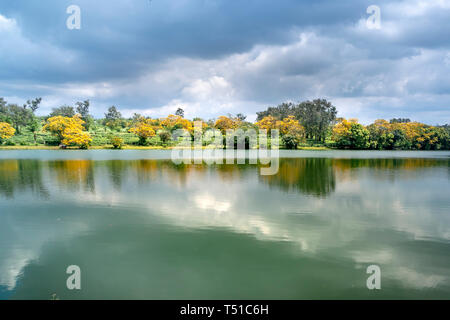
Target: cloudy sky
x=214 y=57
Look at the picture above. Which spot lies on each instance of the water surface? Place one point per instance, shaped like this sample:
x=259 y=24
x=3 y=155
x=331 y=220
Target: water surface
x=141 y=227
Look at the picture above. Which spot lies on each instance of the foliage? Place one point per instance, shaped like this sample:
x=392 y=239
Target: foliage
x=113 y=118
x=116 y=141
x=290 y=141
x=290 y=126
x=143 y=129
x=6 y=131
x=315 y=116
x=75 y=137
x=174 y=122
x=267 y=123
x=279 y=112
x=224 y=123
x=304 y=124
x=83 y=111
x=15 y=115
x=69 y=130
x=164 y=135
x=350 y=134
x=64 y=111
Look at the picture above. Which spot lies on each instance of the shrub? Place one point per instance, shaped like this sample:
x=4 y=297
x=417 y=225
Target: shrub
x=291 y=141
x=117 y=142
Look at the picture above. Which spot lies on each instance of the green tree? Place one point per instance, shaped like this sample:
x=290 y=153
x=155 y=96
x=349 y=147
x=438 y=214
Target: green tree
x=316 y=116
x=33 y=105
x=63 y=111
x=83 y=110
x=279 y=112
x=113 y=118
x=19 y=116
x=34 y=126
x=291 y=141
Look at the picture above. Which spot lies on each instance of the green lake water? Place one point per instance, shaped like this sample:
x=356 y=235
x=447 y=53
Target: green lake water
x=141 y=227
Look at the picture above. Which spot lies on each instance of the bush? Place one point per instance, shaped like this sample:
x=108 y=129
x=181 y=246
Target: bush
x=165 y=136
x=117 y=142
x=290 y=141
x=10 y=143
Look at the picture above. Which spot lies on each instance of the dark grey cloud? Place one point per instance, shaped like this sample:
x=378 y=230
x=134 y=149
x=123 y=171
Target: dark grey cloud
x=217 y=56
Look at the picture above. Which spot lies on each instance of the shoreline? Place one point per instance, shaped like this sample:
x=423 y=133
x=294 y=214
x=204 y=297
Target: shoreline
x=110 y=147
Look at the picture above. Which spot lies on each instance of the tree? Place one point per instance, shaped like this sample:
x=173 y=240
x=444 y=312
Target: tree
x=290 y=141
x=64 y=111
x=69 y=130
x=279 y=112
x=180 y=112
x=83 y=111
x=267 y=123
x=113 y=118
x=164 y=135
x=117 y=142
x=18 y=116
x=113 y=114
x=34 y=127
x=316 y=116
x=241 y=117
x=33 y=104
x=6 y=131
x=290 y=126
x=359 y=136
x=74 y=137
x=173 y=122
x=224 y=123
x=351 y=135
x=143 y=129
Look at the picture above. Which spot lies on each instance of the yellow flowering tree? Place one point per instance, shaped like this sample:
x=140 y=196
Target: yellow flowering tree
x=6 y=131
x=69 y=130
x=268 y=123
x=343 y=127
x=224 y=123
x=143 y=129
x=76 y=137
x=173 y=122
x=291 y=126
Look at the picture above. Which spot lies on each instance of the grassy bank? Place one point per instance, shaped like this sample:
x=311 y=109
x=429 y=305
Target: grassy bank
x=110 y=147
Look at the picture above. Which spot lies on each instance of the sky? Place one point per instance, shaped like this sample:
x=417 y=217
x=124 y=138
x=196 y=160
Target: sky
x=218 y=57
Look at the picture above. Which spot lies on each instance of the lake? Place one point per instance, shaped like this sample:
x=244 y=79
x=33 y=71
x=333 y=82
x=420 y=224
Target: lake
x=141 y=227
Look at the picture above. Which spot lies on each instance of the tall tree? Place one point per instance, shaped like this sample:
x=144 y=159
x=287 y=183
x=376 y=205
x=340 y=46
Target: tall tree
x=64 y=111
x=241 y=117
x=33 y=104
x=279 y=112
x=83 y=111
x=112 y=118
x=113 y=114
x=18 y=116
x=316 y=116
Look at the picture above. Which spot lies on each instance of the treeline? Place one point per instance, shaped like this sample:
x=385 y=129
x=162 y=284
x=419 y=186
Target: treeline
x=309 y=123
